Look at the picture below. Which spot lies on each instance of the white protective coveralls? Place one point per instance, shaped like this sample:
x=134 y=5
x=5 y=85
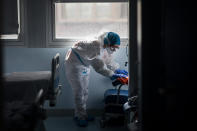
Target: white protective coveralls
x=77 y=62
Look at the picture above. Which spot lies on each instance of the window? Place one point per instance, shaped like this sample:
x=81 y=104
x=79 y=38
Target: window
x=10 y=16
x=79 y=20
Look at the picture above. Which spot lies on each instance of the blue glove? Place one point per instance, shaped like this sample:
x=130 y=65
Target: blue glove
x=119 y=71
x=115 y=76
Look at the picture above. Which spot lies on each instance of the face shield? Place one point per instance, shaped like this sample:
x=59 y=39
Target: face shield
x=112 y=49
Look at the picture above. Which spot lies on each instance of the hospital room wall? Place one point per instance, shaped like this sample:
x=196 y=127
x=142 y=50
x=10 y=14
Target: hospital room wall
x=39 y=59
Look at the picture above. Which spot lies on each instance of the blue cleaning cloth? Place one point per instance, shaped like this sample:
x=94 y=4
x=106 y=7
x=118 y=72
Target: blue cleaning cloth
x=115 y=76
x=119 y=71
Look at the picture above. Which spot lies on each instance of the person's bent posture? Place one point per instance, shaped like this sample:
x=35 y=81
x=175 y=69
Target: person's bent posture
x=98 y=54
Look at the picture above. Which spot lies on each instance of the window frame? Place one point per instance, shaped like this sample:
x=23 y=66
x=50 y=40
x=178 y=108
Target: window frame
x=20 y=40
x=50 y=23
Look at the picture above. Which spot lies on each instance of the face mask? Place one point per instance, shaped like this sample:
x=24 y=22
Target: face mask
x=109 y=51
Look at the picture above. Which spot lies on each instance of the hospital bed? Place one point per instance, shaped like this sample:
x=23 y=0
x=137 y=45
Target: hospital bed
x=25 y=94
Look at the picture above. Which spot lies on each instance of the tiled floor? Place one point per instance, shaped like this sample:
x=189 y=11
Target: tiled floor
x=68 y=124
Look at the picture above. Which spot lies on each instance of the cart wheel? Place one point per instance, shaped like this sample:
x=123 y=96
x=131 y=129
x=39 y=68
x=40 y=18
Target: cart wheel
x=102 y=123
x=52 y=103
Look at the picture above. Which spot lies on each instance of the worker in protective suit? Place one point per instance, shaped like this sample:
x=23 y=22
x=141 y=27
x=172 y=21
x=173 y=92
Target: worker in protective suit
x=83 y=54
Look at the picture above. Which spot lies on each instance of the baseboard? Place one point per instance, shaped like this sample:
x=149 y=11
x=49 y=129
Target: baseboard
x=70 y=112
